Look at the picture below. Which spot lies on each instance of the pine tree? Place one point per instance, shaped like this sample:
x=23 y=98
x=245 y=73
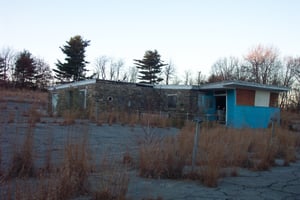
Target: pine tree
x=74 y=67
x=150 y=67
x=25 y=69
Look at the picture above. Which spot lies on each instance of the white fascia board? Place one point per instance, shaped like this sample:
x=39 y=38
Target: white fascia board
x=74 y=84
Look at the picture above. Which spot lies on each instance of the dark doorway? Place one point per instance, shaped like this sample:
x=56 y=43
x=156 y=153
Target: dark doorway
x=221 y=108
x=221 y=102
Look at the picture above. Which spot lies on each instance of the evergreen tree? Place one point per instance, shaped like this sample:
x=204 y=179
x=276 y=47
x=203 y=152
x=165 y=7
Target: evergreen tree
x=150 y=67
x=74 y=67
x=24 y=69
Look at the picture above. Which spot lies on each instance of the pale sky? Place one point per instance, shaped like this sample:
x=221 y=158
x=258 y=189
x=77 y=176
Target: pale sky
x=192 y=33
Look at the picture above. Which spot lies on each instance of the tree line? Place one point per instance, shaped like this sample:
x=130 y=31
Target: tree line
x=23 y=70
x=261 y=64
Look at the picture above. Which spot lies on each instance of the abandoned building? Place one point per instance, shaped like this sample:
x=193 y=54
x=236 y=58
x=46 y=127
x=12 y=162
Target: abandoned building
x=234 y=103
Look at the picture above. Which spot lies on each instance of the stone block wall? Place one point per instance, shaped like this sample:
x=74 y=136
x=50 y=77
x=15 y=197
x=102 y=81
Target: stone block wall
x=186 y=101
x=109 y=96
x=120 y=96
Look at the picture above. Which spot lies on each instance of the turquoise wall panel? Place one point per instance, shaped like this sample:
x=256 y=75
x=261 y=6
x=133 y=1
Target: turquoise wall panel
x=254 y=117
x=230 y=110
x=209 y=103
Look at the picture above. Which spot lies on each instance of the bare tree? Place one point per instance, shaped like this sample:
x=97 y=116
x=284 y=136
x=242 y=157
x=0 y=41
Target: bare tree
x=226 y=69
x=119 y=65
x=43 y=75
x=288 y=76
x=132 y=76
x=200 y=78
x=169 y=71
x=112 y=69
x=187 y=77
x=176 y=80
x=262 y=64
x=100 y=67
x=8 y=58
x=296 y=65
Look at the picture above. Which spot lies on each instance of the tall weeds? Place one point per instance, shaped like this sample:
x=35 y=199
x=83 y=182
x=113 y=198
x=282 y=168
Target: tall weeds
x=74 y=172
x=160 y=157
x=111 y=181
x=218 y=148
x=22 y=163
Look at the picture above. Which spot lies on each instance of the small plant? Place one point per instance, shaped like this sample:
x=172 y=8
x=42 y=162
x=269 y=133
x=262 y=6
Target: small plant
x=127 y=158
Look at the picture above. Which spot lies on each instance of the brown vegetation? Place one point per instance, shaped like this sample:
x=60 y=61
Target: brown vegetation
x=24 y=95
x=218 y=148
x=22 y=163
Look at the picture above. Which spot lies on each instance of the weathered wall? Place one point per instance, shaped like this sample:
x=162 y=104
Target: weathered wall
x=120 y=96
x=72 y=99
x=187 y=100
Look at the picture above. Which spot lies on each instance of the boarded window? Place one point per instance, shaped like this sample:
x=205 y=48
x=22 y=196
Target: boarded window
x=274 y=100
x=262 y=98
x=172 y=101
x=245 y=97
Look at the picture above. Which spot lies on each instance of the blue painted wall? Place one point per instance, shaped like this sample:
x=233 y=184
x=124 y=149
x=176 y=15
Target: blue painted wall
x=230 y=110
x=209 y=104
x=254 y=117
x=239 y=116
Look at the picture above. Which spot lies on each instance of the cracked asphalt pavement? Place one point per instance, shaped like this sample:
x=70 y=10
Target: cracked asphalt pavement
x=279 y=182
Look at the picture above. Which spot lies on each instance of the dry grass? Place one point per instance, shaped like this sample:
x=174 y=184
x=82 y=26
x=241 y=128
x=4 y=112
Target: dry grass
x=23 y=95
x=33 y=115
x=218 y=148
x=160 y=157
x=131 y=119
x=111 y=181
x=69 y=117
x=22 y=163
x=73 y=175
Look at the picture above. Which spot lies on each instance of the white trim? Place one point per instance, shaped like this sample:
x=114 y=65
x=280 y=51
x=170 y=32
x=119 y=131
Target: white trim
x=174 y=87
x=242 y=84
x=74 y=84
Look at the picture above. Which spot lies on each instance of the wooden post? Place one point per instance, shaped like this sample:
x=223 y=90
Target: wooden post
x=196 y=138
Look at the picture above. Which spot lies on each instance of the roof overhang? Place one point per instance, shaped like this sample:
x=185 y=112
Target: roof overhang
x=73 y=84
x=243 y=84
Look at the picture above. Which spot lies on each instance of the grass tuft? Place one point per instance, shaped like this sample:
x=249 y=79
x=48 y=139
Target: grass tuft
x=22 y=164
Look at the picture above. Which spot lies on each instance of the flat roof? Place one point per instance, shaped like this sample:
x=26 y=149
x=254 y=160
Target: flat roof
x=174 y=87
x=242 y=84
x=203 y=87
x=73 y=84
